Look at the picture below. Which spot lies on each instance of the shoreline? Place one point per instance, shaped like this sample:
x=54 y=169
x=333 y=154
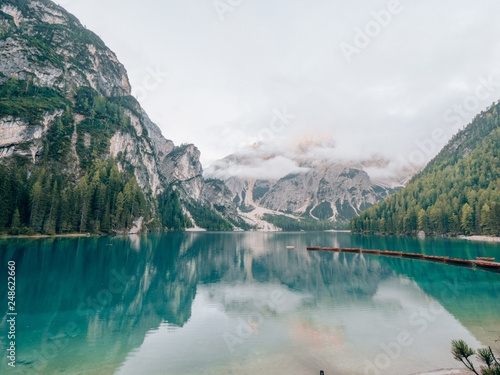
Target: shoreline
x=475 y=238
x=490 y=239
x=35 y=236
x=449 y=371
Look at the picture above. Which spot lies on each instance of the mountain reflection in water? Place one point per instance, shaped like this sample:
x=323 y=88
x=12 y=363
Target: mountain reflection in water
x=217 y=303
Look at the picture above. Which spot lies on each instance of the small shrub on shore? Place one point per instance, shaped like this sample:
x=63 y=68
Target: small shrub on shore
x=462 y=352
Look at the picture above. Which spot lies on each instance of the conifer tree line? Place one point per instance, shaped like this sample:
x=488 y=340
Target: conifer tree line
x=170 y=211
x=37 y=200
x=457 y=193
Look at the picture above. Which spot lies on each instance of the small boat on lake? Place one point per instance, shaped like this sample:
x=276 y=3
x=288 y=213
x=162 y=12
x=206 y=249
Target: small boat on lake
x=331 y=249
x=290 y=247
x=392 y=253
x=461 y=262
x=483 y=264
x=371 y=252
x=436 y=258
x=313 y=248
x=348 y=250
x=413 y=255
x=485 y=259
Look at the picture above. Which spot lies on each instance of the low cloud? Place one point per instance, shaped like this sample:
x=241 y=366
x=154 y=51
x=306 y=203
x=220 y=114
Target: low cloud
x=256 y=168
x=277 y=159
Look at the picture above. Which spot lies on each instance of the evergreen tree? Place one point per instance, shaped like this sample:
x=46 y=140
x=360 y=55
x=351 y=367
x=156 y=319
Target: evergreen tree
x=51 y=222
x=106 y=220
x=37 y=208
x=467 y=219
x=486 y=218
x=16 y=223
x=423 y=221
x=117 y=218
x=5 y=198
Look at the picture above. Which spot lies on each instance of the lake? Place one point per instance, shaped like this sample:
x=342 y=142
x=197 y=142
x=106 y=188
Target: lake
x=241 y=303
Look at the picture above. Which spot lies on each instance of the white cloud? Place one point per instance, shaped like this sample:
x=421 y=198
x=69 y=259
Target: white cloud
x=226 y=77
x=255 y=168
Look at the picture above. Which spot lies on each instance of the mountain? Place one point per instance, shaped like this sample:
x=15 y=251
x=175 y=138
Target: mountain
x=457 y=193
x=303 y=188
x=69 y=125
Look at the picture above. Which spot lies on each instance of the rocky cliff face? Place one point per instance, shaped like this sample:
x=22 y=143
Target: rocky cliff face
x=43 y=44
x=325 y=192
x=16 y=131
x=217 y=195
x=78 y=57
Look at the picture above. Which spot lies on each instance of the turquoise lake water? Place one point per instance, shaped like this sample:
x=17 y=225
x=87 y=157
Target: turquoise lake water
x=241 y=303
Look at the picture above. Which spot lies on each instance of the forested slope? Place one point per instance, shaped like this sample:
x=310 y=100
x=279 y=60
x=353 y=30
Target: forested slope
x=457 y=193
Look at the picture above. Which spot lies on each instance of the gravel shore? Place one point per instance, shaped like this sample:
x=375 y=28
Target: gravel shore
x=450 y=371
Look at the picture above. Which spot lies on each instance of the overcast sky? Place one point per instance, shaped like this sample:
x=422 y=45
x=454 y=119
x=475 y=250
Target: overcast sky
x=362 y=78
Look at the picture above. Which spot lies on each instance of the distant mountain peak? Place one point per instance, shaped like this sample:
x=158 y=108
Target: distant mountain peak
x=287 y=182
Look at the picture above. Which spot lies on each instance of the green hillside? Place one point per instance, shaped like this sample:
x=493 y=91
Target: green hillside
x=457 y=193
x=48 y=197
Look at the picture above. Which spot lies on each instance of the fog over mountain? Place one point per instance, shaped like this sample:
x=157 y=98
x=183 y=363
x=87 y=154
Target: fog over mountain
x=217 y=75
x=275 y=160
